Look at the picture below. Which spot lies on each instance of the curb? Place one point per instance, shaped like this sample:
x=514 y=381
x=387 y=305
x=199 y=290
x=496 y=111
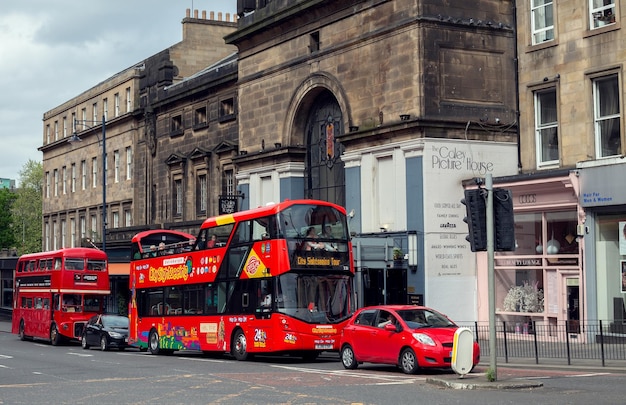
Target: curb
x=479 y=381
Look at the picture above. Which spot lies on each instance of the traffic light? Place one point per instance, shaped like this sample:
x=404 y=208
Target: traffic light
x=476 y=218
x=504 y=223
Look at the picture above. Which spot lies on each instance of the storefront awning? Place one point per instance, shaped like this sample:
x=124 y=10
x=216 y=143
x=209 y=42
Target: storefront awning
x=119 y=269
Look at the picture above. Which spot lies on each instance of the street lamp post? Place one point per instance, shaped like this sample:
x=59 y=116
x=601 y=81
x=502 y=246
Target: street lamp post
x=75 y=138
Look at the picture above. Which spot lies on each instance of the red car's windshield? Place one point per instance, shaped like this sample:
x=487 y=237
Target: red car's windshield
x=424 y=318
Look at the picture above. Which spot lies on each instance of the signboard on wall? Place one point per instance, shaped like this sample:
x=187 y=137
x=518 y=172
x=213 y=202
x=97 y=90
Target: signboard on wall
x=595 y=191
x=228 y=204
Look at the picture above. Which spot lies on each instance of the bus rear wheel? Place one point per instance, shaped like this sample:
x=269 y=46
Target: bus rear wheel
x=153 y=342
x=239 y=348
x=55 y=337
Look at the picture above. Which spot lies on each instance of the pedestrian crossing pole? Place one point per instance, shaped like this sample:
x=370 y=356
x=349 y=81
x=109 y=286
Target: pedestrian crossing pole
x=491 y=278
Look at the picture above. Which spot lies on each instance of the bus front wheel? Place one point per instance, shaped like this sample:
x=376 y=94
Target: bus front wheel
x=153 y=342
x=55 y=336
x=239 y=347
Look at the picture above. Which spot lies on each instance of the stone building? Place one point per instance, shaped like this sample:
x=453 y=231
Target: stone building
x=383 y=107
x=77 y=209
x=569 y=208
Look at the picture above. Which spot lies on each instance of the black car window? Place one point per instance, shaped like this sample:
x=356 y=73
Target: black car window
x=365 y=318
x=115 y=321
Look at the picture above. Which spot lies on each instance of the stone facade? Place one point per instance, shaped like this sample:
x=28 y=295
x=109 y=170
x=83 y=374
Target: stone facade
x=72 y=204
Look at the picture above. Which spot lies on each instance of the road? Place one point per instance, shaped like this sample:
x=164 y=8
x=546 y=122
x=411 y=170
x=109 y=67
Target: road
x=36 y=372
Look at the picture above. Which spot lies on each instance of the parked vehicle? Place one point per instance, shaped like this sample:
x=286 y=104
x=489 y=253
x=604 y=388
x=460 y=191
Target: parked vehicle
x=106 y=331
x=408 y=336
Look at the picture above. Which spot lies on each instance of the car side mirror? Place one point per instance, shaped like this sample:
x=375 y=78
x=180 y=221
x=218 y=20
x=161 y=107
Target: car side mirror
x=390 y=327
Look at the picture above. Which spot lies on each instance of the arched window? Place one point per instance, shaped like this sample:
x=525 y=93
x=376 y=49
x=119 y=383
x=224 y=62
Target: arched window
x=324 y=167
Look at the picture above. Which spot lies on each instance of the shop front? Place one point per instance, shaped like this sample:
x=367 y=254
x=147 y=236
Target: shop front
x=604 y=201
x=540 y=285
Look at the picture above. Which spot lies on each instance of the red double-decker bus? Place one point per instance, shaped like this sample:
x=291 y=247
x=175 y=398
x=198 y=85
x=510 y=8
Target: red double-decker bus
x=56 y=292
x=275 y=279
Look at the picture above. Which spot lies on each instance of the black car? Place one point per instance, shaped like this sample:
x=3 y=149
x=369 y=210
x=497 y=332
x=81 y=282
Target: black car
x=106 y=331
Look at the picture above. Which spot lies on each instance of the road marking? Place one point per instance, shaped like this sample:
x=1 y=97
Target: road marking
x=205 y=360
x=549 y=377
x=4 y=356
x=390 y=379
x=3 y=366
x=587 y=375
x=80 y=354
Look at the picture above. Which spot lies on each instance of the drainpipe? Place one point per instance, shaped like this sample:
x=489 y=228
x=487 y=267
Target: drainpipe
x=516 y=62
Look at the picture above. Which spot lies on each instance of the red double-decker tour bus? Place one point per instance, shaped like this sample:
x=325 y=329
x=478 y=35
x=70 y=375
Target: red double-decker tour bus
x=275 y=279
x=56 y=292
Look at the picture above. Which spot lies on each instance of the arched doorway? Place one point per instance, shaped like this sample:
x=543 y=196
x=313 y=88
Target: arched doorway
x=325 y=178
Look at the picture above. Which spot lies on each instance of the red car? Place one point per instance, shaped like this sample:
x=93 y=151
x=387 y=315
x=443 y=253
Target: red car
x=409 y=336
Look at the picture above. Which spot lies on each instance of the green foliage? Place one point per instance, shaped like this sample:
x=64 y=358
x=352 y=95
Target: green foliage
x=7 y=237
x=26 y=209
x=491 y=375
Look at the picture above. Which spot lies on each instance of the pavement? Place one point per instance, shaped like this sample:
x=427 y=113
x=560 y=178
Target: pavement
x=518 y=374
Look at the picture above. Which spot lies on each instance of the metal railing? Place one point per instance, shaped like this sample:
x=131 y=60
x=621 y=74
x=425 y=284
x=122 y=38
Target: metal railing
x=567 y=341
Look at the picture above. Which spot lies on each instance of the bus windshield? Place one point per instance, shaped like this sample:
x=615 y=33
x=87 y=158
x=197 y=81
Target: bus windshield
x=314 y=298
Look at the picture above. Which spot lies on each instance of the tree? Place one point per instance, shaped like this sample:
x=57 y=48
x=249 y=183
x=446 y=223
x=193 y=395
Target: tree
x=27 y=209
x=7 y=237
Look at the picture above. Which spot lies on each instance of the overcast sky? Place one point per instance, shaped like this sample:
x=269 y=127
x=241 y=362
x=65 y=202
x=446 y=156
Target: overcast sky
x=52 y=50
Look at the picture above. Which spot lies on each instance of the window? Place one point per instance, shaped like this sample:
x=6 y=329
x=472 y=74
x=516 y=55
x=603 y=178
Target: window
x=229 y=183
x=177 y=125
x=607 y=116
x=55 y=235
x=64 y=185
x=116 y=219
x=83 y=227
x=47 y=184
x=178 y=197
x=56 y=182
x=227 y=109
x=73 y=187
x=542 y=21
x=63 y=233
x=105 y=108
x=128 y=219
x=47 y=133
x=546 y=127
x=116 y=104
x=73 y=122
x=94 y=225
x=129 y=162
x=201 y=194
x=199 y=119
x=47 y=231
x=94 y=114
x=83 y=114
x=72 y=232
x=314 y=44
x=116 y=163
x=83 y=174
x=56 y=130
x=94 y=172
x=64 y=127
x=601 y=13
x=128 y=100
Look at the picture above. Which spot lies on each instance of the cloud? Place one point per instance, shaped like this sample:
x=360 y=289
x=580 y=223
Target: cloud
x=51 y=51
